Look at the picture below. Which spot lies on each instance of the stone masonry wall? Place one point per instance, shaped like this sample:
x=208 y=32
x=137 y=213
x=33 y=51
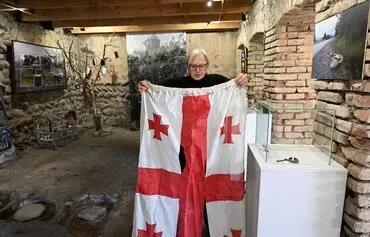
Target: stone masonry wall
x=351 y=148
x=255 y=72
x=287 y=74
x=23 y=110
x=113 y=104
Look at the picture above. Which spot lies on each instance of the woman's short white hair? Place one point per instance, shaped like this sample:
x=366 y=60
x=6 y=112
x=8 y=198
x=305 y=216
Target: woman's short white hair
x=195 y=53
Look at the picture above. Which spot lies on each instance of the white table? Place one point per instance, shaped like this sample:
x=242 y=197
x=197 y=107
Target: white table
x=294 y=200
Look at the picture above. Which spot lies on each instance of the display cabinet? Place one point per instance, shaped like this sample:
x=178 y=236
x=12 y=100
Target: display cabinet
x=291 y=131
x=293 y=186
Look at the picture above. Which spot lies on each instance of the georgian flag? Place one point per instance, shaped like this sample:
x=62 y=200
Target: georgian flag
x=209 y=124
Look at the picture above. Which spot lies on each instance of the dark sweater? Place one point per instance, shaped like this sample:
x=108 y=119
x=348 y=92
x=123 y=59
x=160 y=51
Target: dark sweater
x=188 y=82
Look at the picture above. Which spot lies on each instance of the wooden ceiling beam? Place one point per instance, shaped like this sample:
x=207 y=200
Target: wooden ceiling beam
x=197 y=27
x=53 y=4
x=148 y=20
x=6 y=6
x=130 y=12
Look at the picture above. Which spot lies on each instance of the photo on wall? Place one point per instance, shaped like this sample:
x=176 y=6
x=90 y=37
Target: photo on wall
x=339 y=45
x=155 y=57
x=37 y=68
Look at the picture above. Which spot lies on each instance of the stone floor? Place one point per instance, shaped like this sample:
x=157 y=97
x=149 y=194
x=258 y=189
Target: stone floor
x=101 y=165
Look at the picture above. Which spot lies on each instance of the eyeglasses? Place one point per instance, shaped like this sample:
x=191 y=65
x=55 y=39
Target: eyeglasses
x=200 y=66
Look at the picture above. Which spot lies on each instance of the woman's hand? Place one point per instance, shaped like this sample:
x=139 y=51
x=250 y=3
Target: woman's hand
x=241 y=80
x=143 y=86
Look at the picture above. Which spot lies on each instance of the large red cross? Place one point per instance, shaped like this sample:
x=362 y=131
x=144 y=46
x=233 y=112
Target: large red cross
x=192 y=187
x=157 y=126
x=229 y=129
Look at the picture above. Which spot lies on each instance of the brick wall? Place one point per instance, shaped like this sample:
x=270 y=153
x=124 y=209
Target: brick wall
x=292 y=125
x=287 y=74
x=351 y=148
x=255 y=72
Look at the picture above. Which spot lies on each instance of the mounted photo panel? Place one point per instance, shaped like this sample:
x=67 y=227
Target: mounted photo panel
x=156 y=57
x=340 y=43
x=37 y=68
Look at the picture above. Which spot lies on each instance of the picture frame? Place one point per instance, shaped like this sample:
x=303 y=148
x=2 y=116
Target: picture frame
x=37 y=68
x=339 y=48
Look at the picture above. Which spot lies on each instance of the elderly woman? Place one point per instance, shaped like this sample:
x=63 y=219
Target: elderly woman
x=197 y=67
x=198 y=76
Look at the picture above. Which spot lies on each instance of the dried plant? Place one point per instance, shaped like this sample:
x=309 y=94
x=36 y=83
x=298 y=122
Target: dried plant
x=83 y=72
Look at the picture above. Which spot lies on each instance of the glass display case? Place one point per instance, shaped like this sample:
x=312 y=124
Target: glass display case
x=294 y=132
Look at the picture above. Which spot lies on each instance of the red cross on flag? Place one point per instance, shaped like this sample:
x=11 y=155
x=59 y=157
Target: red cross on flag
x=208 y=124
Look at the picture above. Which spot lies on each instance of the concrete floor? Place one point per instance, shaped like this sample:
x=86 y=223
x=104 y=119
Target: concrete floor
x=100 y=165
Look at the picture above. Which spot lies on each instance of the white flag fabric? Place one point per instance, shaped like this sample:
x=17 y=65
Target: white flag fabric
x=205 y=126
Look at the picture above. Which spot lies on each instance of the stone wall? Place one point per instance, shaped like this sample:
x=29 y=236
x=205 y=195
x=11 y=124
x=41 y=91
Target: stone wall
x=351 y=148
x=113 y=105
x=220 y=48
x=24 y=109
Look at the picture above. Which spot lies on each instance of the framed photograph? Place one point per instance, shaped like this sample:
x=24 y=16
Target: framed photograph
x=157 y=57
x=340 y=43
x=37 y=68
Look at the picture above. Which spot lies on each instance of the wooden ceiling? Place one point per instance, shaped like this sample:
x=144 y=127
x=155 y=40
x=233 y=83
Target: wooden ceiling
x=103 y=16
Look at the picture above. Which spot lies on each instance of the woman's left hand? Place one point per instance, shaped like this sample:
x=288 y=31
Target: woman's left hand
x=241 y=80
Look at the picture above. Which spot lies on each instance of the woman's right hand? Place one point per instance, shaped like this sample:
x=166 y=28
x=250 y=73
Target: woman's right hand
x=143 y=86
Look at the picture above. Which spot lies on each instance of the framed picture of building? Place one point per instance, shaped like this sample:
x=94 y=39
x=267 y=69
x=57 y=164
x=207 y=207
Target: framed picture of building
x=157 y=57
x=37 y=68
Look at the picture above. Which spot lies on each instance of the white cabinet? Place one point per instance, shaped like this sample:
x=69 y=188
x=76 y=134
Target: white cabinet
x=294 y=200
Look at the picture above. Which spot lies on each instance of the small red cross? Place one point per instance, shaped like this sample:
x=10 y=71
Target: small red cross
x=228 y=129
x=235 y=233
x=149 y=232
x=158 y=127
